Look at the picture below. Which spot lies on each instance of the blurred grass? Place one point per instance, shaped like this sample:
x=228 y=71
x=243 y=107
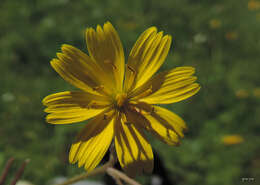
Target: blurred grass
x=219 y=38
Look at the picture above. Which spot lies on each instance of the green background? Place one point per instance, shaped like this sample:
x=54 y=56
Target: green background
x=220 y=38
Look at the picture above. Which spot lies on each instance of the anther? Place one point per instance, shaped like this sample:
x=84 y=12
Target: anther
x=101 y=89
x=110 y=63
x=138 y=110
x=135 y=109
x=132 y=77
x=98 y=88
x=131 y=69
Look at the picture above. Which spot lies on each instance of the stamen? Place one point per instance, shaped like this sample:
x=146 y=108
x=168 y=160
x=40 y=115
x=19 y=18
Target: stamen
x=131 y=77
x=101 y=89
x=110 y=63
x=138 y=110
x=131 y=69
x=98 y=88
x=135 y=109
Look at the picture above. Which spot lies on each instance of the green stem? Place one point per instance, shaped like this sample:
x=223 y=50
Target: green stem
x=97 y=171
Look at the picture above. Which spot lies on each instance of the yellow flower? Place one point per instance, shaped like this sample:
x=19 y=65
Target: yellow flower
x=120 y=98
x=242 y=93
x=232 y=139
x=231 y=35
x=256 y=92
x=253 y=5
x=214 y=23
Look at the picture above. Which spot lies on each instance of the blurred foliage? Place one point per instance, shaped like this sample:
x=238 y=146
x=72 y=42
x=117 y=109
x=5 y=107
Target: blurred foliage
x=219 y=38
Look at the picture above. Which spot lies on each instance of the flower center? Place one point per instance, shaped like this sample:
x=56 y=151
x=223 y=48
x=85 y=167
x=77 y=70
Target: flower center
x=121 y=100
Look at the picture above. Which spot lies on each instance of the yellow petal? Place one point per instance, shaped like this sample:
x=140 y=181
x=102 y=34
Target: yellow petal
x=169 y=119
x=232 y=139
x=168 y=87
x=70 y=107
x=93 y=142
x=146 y=57
x=78 y=69
x=105 y=48
x=162 y=123
x=133 y=150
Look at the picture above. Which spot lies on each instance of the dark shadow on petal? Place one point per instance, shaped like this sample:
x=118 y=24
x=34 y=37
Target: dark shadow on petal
x=141 y=163
x=96 y=126
x=151 y=111
x=165 y=123
x=137 y=141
